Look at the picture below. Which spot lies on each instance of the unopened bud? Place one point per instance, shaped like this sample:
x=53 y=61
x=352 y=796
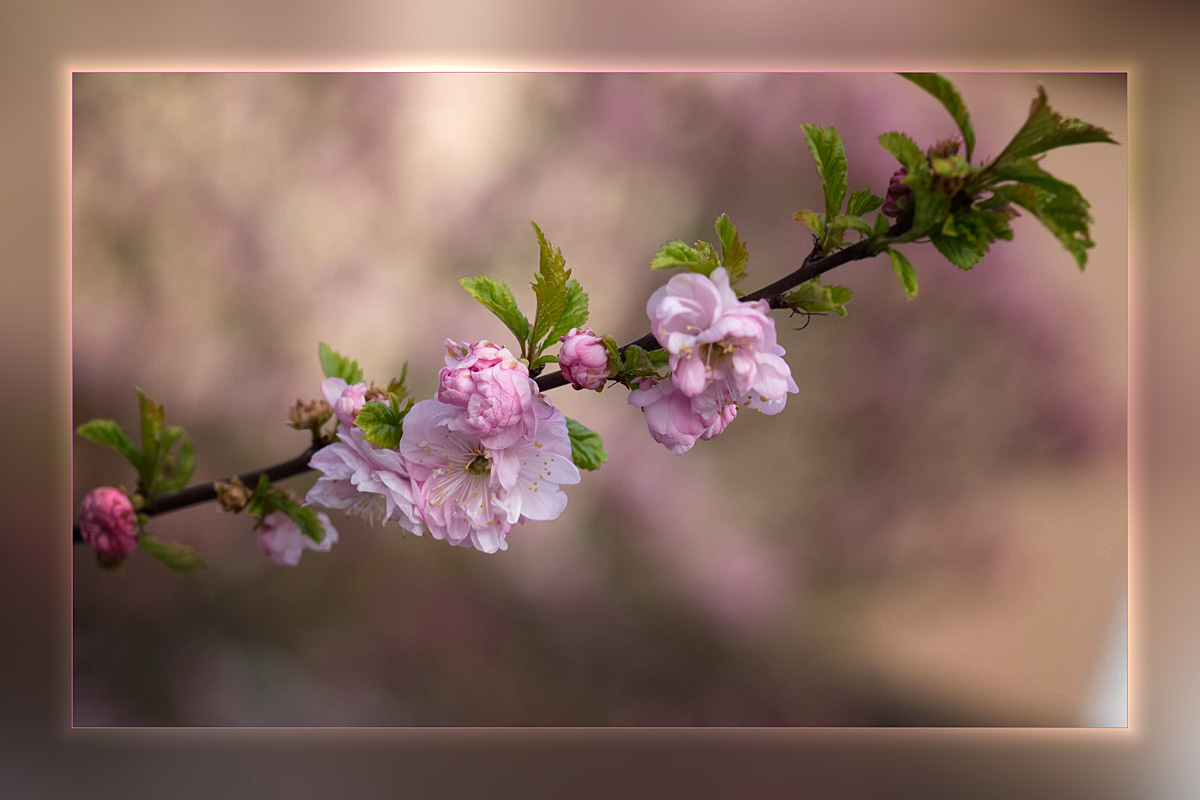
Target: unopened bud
x=232 y=496
x=946 y=147
x=108 y=523
x=310 y=415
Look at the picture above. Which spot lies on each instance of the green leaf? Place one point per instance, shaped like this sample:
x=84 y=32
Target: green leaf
x=176 y=557
x=814 y=221
x=550 y=286
x=587 y=448
x=637 y=363
x=496 y=297
x=680 y=254
x=177 y=470
x=849 y=222
x=257 y=503
x=382 y=423
x=965 y=237
x=904 y=149
x=962 y=253
x=862 y=202
x=946 y=93
x=815 y=298
x=336 y=365
x=110 y=434
x=905 y=272
x=931 y=206
x=396 y=385
x=303 y=516
x=827 y=150
x=153 y=421
x=574 y=315
x=1045 y=129
x=733 y=251
x=882 y=223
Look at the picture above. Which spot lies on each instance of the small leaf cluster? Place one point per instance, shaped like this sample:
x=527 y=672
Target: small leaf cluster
x=703 y=257
x=636 y=362
x=165 y=461
x=561 y=304
x=963 y=207
x=829 y=228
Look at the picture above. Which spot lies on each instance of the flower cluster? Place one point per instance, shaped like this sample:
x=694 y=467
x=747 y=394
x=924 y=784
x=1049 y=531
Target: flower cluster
x=723 y=355
x=487 y=453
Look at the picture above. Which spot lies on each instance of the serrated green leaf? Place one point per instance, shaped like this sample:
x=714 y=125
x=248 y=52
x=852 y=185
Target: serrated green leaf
x=881 y=226
x=701 y=259
x=849 y=222
x=733 y=251
x=176 y=557
x=904 y=149
x=382 y=424
x=587 y=448
x=336 y=365
x=550 y=287
x=946 y=93
x=658 y=358
x=950 y=167
x=540 y=361
x=815 y=222
x=862 y=202
x=1046 y=129
x=496 y=297
x=815 y=298
x=108 y=433
x=574 y=315
x=257 y=502
x=177 y=470
x=829 y=152
x=305 y=517
x=153 y=419
x=960 y=252
x=905 y=272
x=396 y=385
x=637 y=362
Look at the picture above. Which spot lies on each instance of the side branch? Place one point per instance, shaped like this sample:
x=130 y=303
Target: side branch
x=773 y=294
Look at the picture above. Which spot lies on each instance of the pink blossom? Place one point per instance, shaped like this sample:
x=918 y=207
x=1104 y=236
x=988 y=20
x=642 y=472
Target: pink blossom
x=345 y=400
x=471 y=495
x=491 y=389
x=715 y=340
x=583 y=359
x=108 y=523
x=674 y=419
x=363 y=479
x=280 y=537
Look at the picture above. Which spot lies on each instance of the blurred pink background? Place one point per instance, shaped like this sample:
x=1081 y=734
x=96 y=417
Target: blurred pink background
x=933 y=532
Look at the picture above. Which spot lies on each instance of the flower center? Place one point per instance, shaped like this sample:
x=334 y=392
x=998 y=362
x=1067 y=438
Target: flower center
x=479 y=466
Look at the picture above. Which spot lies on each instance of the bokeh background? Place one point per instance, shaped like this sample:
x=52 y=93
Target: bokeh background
x=932 y=533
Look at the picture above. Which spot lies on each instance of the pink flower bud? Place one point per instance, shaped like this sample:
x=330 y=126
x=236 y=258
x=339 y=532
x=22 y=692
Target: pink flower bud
x=345 y=400
x=108 y=523
x=899 y=195
x=584 y=359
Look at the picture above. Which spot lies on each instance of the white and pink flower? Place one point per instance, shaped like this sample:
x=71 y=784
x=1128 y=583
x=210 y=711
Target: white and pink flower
x=675 y=420
x=363 y=479
x=471 y=494
x=492 y=391
x=280 y=537
x=714 y=338
x=722 y=353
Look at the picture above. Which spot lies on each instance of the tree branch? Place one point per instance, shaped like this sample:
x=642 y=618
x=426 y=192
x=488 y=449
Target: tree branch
x=772 y=293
